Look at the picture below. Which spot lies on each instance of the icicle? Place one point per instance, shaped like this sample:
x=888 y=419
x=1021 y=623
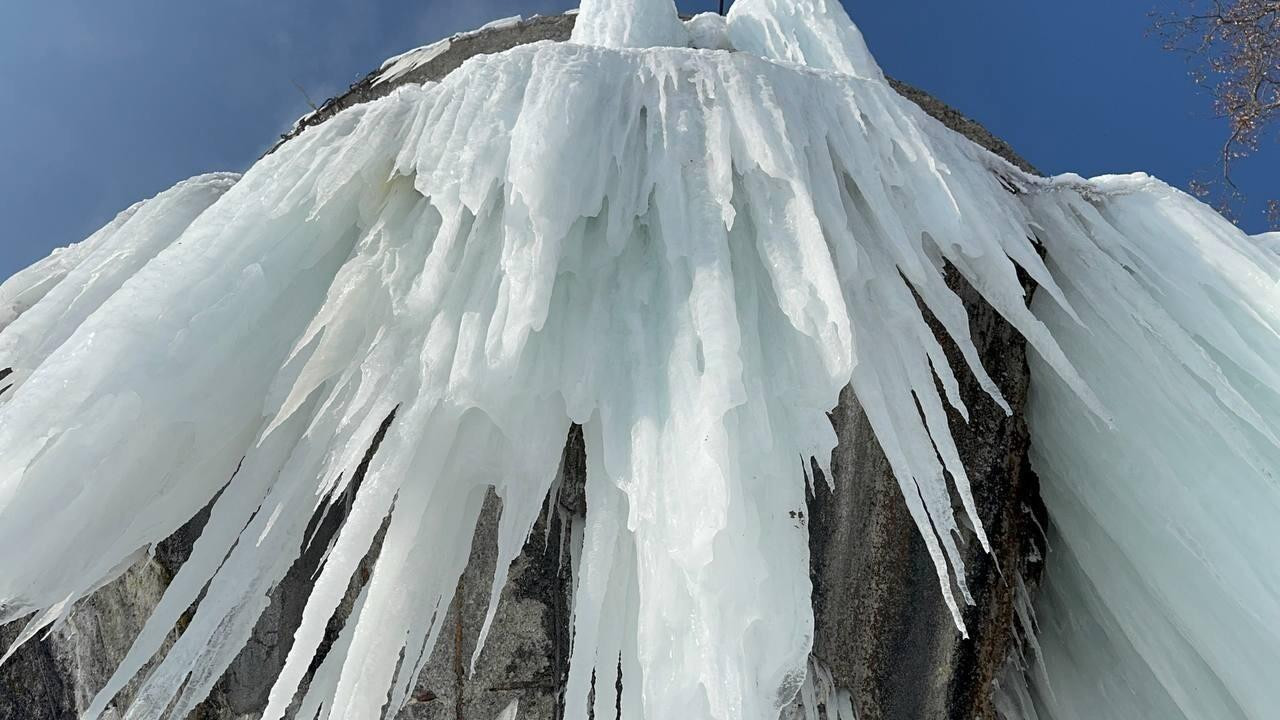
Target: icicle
x=820 y=699
x=712 y=277
x=816 y=33
x=68 y=286
x=510 y=712
x=1160 y=599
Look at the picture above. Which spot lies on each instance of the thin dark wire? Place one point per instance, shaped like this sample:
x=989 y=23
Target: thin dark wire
x=721 y=7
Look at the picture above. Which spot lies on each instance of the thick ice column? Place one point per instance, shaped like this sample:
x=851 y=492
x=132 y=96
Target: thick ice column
x=816 y=33
x=1162 y=596
x=63 y=290
x=629 y=23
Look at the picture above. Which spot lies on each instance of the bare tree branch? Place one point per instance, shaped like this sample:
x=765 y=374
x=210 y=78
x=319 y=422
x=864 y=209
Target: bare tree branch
x=1234 y=50
x=305 y=95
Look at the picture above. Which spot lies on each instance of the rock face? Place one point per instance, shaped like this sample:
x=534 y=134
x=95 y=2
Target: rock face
x=882 y=627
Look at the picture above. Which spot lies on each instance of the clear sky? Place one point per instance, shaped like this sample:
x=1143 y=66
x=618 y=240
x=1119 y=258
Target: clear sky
x=105 y=103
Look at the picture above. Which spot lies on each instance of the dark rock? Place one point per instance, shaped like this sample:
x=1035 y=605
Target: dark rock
x=882 y=627
x=484 y=42
x=957 y=121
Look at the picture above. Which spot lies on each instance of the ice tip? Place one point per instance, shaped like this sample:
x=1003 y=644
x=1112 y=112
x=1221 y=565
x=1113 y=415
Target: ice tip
x=510 y=712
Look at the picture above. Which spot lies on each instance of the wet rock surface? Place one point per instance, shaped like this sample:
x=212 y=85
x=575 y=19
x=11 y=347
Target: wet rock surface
x=882 y=627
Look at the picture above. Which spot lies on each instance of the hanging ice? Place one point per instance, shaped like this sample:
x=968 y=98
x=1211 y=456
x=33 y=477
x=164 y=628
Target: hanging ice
x=1270 y=241
x=692 y=269
x=1163 y=591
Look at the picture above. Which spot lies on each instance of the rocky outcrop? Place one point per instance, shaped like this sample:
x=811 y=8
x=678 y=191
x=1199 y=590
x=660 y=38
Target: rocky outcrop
x=556 y=28
x=882 y=628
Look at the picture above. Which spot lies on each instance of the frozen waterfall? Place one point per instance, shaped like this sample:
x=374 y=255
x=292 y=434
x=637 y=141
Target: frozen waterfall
x=691 y=266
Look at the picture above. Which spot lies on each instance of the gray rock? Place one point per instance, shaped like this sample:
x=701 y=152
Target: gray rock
x=525 y=657
x=882 y=627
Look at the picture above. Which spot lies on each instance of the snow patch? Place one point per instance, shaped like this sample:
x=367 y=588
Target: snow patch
x=400 y=65
x=501 y=23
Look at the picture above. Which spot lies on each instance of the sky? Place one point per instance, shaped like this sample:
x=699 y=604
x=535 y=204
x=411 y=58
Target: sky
x=103 y=104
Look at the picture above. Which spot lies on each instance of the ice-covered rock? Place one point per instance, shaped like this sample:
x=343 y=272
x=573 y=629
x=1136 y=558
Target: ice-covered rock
x=406 y=308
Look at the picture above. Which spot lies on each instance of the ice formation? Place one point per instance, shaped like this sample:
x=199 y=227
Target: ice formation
x=1270 y=241
x=691 y=267
x=1162 y=597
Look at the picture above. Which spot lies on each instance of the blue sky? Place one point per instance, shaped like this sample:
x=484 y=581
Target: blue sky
x=106 y=103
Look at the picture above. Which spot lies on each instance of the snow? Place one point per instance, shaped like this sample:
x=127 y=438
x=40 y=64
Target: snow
x=400 y=65
x=692 y=271
x=300 y=122
x=501 y=23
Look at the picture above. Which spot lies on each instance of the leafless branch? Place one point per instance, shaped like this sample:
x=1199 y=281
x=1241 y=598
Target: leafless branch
x=305 y=96
x=1233 y=47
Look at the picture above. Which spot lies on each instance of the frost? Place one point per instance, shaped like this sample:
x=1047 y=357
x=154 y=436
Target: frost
x=692 y=271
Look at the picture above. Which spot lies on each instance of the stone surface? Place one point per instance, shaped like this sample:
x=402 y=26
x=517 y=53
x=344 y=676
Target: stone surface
x=882 y=628
x=484 y=42
x=526 y=656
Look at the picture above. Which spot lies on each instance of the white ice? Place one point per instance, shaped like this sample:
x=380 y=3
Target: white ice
x=692 y=270
x=1162 y=596
x=1270 y=241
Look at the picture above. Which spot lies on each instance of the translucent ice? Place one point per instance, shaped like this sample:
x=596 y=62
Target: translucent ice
x=1163 y=590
